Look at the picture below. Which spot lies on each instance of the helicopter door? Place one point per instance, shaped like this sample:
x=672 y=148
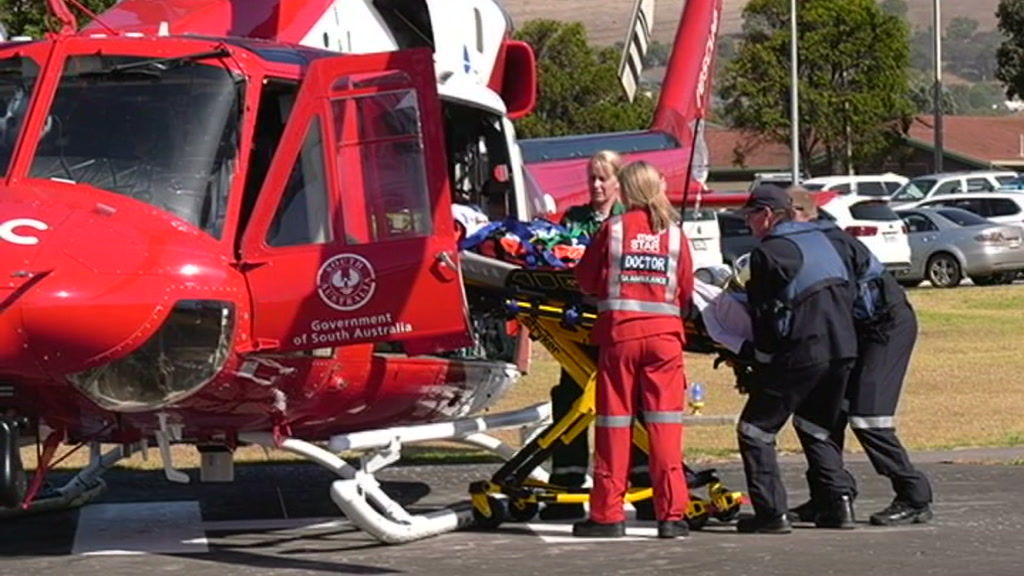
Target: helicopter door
x=351 y=239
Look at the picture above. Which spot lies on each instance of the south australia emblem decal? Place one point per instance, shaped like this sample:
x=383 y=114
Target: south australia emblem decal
x=346 y=282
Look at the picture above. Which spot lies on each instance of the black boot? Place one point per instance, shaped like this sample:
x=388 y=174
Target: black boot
x=901 y=512
x=806 y=512
x=591 y=529
x=838 y=514
x=673 y=529
x=760 y=525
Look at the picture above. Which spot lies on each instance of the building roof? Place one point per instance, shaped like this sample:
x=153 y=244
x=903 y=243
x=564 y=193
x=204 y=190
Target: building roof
x=756 y=152
x=981 y=140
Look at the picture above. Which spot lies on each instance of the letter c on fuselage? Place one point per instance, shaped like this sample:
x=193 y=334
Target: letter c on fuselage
x=8 y=231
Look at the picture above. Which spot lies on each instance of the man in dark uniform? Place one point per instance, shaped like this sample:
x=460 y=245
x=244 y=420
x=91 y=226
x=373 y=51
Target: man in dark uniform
x=887 y=331
x=805 y=344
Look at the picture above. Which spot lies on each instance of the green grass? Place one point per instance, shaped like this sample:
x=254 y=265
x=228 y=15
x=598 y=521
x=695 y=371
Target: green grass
x=964 y=388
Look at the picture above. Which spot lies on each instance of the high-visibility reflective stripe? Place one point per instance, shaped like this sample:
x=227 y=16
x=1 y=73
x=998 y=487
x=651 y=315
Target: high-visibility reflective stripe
x=644 y=469
x=870 y=422
x=663 y=417
x=625 y=305
x=614 y=421
x=810 y=428
x=674 y=242
x=615 y=255
x=762 y=357
x=753 y=432
x=569 y=470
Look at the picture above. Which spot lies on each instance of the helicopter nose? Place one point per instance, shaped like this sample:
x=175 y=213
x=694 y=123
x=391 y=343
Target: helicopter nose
x=95 y=278
x=56 y=319
x=15 y=357
x=19 y=272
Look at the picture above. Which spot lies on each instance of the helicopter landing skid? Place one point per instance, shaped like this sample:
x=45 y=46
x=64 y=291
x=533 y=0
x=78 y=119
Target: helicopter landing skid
x=359 y=494
x=81 y=489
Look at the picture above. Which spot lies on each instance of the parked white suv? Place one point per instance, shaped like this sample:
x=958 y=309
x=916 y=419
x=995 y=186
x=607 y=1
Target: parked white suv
x=874 y=185
x=780 y=179
x=1001 y=207
x=876 y=225
x=950 y=183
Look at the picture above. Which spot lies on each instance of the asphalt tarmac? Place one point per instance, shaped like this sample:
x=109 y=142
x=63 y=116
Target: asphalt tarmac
x=278 y=519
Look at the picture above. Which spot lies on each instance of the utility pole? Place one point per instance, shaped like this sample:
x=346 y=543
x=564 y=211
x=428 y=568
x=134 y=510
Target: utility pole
x=794 y=94
x=847 y=132
x=937 y=32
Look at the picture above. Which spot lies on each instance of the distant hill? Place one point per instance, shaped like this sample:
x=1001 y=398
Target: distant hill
x=606 y=19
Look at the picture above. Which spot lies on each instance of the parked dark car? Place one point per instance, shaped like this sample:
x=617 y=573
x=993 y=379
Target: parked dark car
x=737 y=238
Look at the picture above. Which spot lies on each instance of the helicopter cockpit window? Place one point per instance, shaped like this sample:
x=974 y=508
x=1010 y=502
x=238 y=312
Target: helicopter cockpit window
x=17 y=78
x=162 y=131
x=381 y=164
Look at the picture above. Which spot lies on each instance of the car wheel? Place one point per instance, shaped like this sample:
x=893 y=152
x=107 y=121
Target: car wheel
x=944 y=271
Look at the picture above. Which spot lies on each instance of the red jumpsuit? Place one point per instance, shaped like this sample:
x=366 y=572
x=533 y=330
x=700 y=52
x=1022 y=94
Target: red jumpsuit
x=641 y=280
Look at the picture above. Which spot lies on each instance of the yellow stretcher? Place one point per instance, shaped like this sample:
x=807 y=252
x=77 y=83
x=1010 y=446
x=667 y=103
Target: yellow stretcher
x=550 y=306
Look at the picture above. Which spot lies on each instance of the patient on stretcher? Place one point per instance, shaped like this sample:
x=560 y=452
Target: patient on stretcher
x=723 y=308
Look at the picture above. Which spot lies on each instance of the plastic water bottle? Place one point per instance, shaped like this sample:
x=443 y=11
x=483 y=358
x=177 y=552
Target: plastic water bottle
x=696 y=397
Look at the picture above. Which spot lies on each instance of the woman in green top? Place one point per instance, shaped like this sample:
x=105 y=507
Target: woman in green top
x=603 y=181
x=569 y=462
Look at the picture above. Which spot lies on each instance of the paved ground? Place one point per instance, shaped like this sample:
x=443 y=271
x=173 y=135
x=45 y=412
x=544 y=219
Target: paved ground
x=279 y=520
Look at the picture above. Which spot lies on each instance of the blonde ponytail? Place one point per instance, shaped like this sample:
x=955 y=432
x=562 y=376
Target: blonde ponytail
x=641 y=186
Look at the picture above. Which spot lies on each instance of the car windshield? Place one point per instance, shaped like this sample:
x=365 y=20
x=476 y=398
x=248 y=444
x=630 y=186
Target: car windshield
x=962 y=217
x=780 y=180
x=732 y=224
x=812 y=187
x=703 y=214
x=1015 y=183
x=914 y=190
x=17 y=78
x=162 y=131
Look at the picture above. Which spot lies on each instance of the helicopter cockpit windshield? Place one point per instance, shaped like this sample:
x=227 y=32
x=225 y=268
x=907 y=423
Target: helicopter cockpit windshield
x=160 y=130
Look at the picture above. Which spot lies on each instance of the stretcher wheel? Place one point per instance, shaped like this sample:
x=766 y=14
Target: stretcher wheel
x=698 y=513
x=725 y=503
x=727 y=515
x=522 y=510
x=499 y=512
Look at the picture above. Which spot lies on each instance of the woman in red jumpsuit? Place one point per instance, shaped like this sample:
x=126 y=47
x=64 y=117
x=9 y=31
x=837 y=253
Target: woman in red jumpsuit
x=639 y=268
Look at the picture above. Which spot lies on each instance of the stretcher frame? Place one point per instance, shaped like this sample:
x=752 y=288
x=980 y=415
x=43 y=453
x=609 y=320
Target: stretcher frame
x=550 y=306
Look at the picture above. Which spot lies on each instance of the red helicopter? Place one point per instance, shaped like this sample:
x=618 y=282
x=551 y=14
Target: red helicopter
x=228 y=223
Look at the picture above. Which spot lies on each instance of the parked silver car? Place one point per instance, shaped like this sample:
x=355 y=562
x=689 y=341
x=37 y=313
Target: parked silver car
x=947 y=244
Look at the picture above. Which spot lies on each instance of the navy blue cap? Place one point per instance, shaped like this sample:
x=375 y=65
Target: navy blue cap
x=767 y=196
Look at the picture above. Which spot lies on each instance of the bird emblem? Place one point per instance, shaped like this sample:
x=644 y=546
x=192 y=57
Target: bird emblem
x=346 y=280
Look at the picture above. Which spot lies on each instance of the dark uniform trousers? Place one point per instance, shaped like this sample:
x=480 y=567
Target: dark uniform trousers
x=874 y=392
x=813 y=395
x=569 y=462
